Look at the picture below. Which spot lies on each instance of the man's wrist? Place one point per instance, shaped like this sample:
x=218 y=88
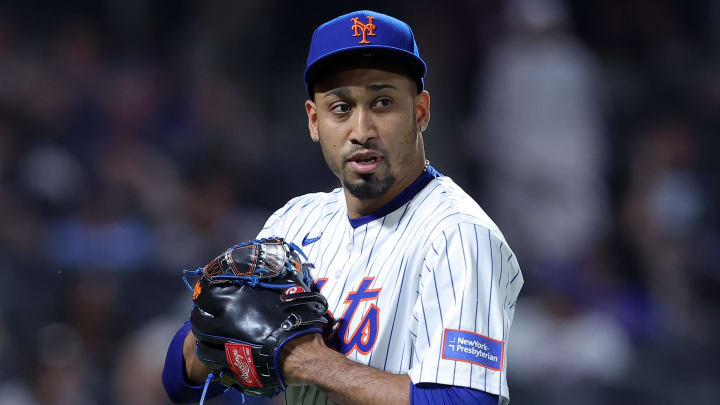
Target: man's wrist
x=196 y=371
x=305 y=358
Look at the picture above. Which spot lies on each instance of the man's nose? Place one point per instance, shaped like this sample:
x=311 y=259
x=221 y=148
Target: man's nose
x=363 y=127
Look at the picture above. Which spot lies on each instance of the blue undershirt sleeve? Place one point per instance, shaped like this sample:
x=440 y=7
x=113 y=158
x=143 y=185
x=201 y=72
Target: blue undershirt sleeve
x=174 y=376
x=428 y=394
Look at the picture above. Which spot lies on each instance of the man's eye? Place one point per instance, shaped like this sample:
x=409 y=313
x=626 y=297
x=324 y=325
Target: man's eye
x=340 y=108
x=383 y=102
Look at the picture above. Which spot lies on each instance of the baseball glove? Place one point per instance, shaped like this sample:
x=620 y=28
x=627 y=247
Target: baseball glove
x=249 y=302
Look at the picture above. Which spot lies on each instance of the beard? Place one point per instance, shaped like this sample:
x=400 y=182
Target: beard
x=370 y=186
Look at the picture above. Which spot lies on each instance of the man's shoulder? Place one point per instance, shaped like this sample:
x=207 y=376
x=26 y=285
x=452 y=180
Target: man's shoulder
x=311 y=201
x=299 y=207
x=454 y=207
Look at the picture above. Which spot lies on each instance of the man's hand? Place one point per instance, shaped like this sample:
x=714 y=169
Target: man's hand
x=197 y=372
x=307 y=360
x=305 y=353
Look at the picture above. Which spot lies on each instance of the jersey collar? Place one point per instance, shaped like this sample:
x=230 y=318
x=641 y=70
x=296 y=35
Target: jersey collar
x=399 y=200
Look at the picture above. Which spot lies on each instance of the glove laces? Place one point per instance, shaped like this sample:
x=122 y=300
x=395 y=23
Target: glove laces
x=210 y=378
x=205 y=387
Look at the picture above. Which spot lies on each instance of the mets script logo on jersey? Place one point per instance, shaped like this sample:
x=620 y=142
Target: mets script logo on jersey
x=364 y=30
x=365 y=334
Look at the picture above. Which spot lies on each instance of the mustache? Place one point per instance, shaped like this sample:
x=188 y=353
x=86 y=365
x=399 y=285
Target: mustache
x=366 y=147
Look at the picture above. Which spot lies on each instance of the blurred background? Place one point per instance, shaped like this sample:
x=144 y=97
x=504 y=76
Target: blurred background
x=138 y=138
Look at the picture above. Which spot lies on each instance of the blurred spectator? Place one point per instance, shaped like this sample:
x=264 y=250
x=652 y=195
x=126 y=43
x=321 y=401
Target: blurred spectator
x=663 y=217
x=575 y=347
x=63 y=375
x=539 y=136
x=15 y=393
x=140 y=362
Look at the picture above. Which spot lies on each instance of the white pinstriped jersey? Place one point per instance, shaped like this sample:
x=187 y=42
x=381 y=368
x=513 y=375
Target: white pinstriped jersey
x=428 y=289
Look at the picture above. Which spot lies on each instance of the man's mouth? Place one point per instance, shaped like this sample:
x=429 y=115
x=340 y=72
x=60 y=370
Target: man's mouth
x=365 y=162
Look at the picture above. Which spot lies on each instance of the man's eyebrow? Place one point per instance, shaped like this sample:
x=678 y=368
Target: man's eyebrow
x=342 y=92
x=378 y=87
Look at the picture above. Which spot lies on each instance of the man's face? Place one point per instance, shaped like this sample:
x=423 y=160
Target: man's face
x=368 y=124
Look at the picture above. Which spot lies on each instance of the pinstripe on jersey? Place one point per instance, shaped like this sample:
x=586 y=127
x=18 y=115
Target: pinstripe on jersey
x=434 y=263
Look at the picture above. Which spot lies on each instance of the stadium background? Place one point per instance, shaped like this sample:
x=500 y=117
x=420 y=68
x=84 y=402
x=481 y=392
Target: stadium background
x=141 y=137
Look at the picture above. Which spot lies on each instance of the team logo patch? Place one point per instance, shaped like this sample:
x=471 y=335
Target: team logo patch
x=239 y=357
x=460 y=345
x=364 y=30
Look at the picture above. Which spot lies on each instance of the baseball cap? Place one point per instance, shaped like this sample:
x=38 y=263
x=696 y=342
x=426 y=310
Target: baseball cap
x=362 y=35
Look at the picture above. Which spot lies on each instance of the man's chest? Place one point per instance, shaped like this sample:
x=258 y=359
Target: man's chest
x=369 y=277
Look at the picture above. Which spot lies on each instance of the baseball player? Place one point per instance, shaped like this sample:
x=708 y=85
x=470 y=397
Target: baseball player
x=420 y=281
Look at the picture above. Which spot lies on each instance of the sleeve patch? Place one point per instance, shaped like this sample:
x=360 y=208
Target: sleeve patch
x=460 y=345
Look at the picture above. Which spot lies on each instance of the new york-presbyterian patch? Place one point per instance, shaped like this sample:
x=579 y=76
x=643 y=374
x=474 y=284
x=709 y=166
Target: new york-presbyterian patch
x=470 y=347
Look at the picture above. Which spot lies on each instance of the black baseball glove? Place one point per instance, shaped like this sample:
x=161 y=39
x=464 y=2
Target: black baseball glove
x=249 y=302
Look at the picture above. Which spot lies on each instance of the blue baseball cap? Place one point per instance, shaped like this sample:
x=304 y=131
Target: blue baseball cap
x=360 y=35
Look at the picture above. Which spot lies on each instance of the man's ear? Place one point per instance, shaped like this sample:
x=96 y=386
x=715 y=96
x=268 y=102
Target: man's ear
x=312 y=120
x=422 y=110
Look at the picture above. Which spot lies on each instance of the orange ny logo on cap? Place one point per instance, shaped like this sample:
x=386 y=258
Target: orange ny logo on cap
x=366 y=29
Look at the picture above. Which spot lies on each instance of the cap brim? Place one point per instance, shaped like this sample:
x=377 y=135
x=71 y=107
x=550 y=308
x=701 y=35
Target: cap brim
x=368 y=55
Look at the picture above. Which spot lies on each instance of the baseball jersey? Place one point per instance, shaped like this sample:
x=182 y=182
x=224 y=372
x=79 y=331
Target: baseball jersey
x=426 y=286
